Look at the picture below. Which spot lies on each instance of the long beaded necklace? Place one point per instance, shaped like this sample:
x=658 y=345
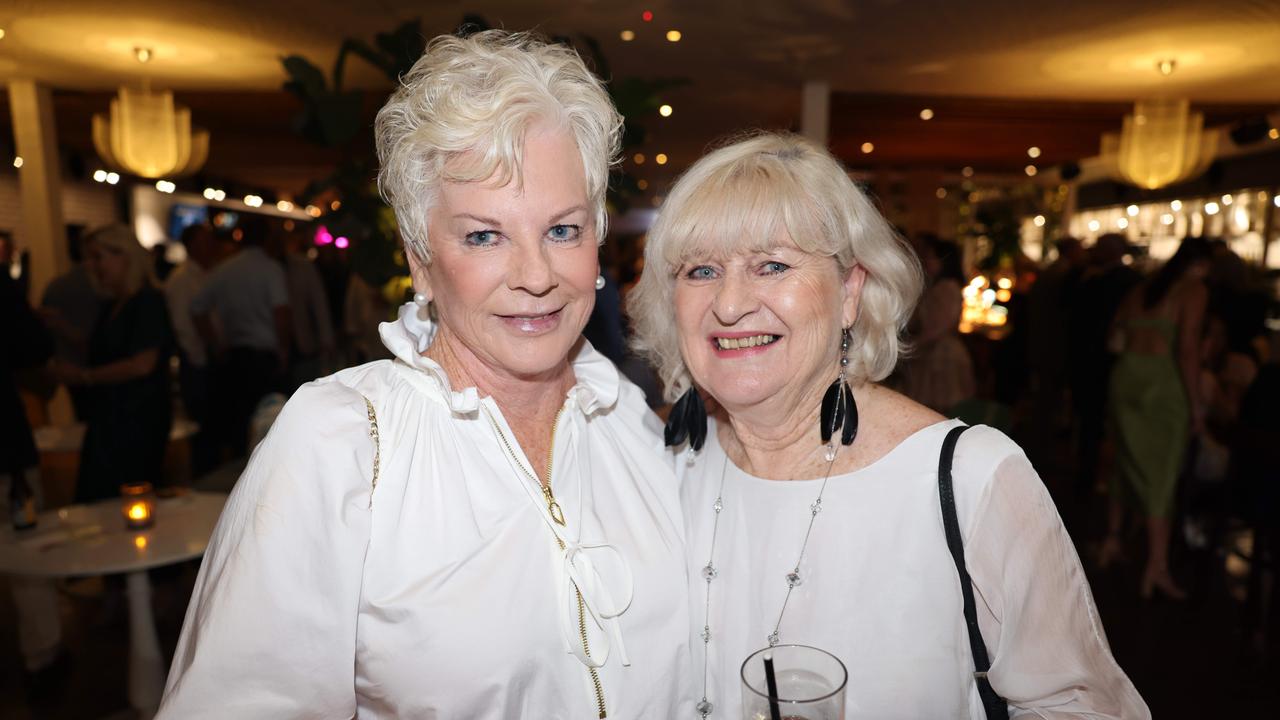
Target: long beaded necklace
x=709 y=572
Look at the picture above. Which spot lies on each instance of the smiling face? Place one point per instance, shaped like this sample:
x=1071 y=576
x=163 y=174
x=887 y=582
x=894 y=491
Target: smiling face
x=762 y=328
x=513 y=267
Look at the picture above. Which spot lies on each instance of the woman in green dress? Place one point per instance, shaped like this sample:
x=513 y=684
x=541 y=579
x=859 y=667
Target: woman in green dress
x=1155 y=404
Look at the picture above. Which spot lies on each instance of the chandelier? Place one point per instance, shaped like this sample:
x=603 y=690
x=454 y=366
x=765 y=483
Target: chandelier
x=1161 y=142
x=150 y=135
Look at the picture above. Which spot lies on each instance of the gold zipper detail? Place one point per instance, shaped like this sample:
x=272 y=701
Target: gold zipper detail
x=557 y=516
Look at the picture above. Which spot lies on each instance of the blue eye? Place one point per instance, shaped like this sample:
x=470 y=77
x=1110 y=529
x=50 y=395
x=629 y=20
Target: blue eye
x=701 y=272
x=481 y=238
x=775 y=268
x=564 y=233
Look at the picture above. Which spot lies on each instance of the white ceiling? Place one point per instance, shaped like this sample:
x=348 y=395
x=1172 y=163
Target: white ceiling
x=1088 y=50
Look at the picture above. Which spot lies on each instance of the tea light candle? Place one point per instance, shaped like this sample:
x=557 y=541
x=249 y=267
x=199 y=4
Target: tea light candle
x=139 y=505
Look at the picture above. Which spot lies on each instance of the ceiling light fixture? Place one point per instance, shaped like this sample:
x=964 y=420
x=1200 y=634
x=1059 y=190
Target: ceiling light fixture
x=148 y=134
x=1161 y=142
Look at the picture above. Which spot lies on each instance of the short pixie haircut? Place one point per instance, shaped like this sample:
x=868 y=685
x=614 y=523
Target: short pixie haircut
x=477 y=96
x=741 y=198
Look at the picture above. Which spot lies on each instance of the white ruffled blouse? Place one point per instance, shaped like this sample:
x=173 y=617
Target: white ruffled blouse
x=444 y=591
x=880 y=590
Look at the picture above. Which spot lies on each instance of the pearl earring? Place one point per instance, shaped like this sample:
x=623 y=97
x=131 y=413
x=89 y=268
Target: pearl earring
x=599 y=282
x=421 y=299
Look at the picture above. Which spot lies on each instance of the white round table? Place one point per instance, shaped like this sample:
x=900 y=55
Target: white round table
x=81 y=540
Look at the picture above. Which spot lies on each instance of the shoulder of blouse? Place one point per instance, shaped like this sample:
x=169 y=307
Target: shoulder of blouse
x=983 y=454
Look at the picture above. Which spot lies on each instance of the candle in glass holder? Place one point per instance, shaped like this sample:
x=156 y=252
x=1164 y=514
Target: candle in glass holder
x=139 y=505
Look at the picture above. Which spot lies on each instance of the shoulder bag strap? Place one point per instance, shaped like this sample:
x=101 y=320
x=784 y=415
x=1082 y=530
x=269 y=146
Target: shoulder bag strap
x=994 y=705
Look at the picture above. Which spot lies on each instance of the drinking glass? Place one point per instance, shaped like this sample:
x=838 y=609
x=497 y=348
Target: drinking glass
x=811 y=684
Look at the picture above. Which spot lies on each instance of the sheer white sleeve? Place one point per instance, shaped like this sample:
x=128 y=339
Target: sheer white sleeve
x=1049 y=654
x=271 y=629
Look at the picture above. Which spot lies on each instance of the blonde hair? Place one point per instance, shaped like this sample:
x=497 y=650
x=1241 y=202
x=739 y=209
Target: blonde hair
x=121 y=239
x=477 y=96
x=740 y=198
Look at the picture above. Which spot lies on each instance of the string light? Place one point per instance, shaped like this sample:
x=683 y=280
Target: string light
x=926 y=114
x=1176 y=205
x=113 y=178
x=1132 y=211
x=253 y=201
x=1038 y=221
x=165 y=186
x=99 y=175
x=1274 y=133
x=1094 y=226
x=638 y=158
x=335 y=205
x=868 y=148
x=1033 y=152
x=313 y=211
x=642 y=184
x=1211 y=208
x=673 y=36
x=1122 y=223
x=665 y=111
x=1030 y=170
x=660 y=158
x=284 y=206
x=940 y=193
x=143 y=54
x=628 y=35
x=17 y=161
x=966 y=171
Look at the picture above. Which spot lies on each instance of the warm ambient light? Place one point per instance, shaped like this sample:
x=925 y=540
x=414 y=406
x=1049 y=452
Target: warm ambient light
x=642 y=184
x=284 y=206
x=673 y=36
x=1 y=33
x=143 y=54
x=1122 y=223
x=113 y=178
x=1038 y=221
x=1276 y=201
x=1094 y=226
x=868 y=148
x=1273 y=133
x=140 y=542
x=313 y=211
x=966 y=171
x=660 y=158
x=1033 y=152
x=1167 y=219
x=628 y=35
x=1030 y=170
x=665 y=111
x=1211 y=208
x=99 y=175
x=335 y=205
x=940 y=193
x=253 y=201
x=926 y=114
x=165 y=186
x=1132 y=211
x=1227 y=199
x=1176 y=205
x=17 y=161
x=638 y=158
x=138 y=505
x=1166 y=66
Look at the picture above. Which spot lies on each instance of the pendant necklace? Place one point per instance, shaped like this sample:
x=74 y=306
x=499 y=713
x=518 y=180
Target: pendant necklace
x=793 y=579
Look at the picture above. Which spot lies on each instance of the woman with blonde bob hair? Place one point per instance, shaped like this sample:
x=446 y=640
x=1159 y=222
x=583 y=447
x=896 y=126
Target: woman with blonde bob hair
x=126 y=382
x=823 y=509
x=485 y=526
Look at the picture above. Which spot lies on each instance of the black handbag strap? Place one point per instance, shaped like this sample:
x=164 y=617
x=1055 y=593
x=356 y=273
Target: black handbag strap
x=994 y=705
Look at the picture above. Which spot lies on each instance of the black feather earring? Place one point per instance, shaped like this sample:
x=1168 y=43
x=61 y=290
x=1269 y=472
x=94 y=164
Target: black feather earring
x=839 y=411
x=687 y=421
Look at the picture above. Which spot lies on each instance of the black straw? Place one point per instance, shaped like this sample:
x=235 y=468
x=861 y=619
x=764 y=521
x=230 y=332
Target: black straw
x=772 y=681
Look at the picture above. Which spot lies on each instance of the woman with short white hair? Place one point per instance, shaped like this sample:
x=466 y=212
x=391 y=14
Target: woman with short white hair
x=486 y=526
x=823 y=509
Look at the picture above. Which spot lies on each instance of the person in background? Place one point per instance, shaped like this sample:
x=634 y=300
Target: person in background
x=1155 y=402
x=243 y=316
x=130 y=412
x=1050 y=299
x=940 y=375
x=312 y=342
x=180 y=289
x=69 y=307
x=1102 y=288
x=28 y=345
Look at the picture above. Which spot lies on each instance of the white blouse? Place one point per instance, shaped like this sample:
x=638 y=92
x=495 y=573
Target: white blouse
x=444 y=590
x=880 y=590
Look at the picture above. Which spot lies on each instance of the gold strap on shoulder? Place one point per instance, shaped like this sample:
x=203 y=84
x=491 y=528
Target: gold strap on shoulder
x=377 y=450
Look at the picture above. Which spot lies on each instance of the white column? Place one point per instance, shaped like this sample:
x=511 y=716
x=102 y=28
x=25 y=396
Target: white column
x=39 y=182
x=815 y=111
x=146 y=665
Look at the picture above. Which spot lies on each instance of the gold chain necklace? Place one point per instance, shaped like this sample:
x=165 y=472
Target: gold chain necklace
x=557 y=516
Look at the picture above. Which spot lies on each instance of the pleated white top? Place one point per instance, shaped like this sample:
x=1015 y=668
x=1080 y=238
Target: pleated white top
x=880 y=590
x=442 y=593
